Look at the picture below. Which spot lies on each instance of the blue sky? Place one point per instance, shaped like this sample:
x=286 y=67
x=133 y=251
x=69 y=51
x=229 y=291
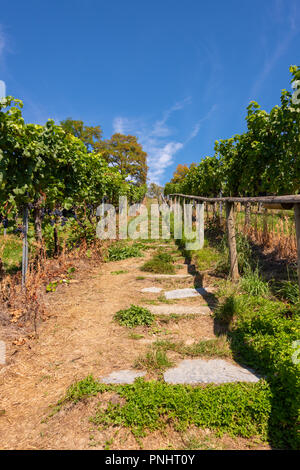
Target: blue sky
x=178 y=74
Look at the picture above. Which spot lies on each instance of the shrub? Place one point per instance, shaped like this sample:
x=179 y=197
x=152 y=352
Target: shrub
x=120 y=251
x=134 y=316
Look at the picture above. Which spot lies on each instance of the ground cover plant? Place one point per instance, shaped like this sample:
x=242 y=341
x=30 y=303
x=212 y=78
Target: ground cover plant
x=134 y=316
x=119 y=251
x=152 y=405
x=160 y=263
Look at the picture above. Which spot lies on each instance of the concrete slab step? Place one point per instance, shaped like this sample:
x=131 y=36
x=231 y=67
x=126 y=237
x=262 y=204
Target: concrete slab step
x=175 y=309
x=198 y=371
x=167 y=276
x=122 y=377
x=152 y=290
x=185 y=293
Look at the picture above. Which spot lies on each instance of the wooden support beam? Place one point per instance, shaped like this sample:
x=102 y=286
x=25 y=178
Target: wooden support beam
x=285 y=200
x=230 y=219
x=297 y=223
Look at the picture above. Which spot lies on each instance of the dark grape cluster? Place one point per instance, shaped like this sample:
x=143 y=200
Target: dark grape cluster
x=19 y=229
x=63 y=214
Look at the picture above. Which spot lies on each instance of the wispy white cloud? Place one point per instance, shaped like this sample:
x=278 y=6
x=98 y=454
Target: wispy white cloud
x=122 y=125
x=2 y=42
x=157 y=138
x=160 y=158
x=160 y=129
x=198 y=125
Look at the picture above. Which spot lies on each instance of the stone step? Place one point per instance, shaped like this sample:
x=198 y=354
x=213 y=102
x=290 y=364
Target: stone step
x=174 y=309
x=152 y=290
x=167 y=276
x=186 y=292
x=122 y=377
x=200 y=371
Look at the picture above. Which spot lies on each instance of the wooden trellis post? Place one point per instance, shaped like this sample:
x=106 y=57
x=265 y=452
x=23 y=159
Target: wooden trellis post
x=200 y=220
x=25 y=246
x=230 y=219
x=297 y=223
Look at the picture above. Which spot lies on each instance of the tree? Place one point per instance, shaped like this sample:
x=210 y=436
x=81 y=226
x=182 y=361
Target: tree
x=125 y=153
x=89 y=135
x=155 y=190
x=180 y=173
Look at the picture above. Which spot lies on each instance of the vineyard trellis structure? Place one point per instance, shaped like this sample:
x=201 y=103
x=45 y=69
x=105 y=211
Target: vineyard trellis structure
x=286 y=202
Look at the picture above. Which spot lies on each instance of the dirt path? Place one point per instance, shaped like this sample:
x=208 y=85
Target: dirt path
x=81 y=338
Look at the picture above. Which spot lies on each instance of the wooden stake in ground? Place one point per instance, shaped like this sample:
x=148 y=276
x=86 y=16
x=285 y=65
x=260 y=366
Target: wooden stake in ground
x=230 y=218
x=297 y=222
x=25 y=246
x=247 y=213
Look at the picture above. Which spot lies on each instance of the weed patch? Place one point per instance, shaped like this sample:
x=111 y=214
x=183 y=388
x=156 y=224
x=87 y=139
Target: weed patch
x=120 y=251
x=134 y=316
x=152 y=405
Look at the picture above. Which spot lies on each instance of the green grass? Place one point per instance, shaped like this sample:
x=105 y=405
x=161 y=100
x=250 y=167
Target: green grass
x=288 y=290
x=119 y=272
x=154 y=360
x=136 y=336
x=134 y=316
x=160 y=263
x=253 y=284
x=217 y=347
x=207 y=258
x=11 y=252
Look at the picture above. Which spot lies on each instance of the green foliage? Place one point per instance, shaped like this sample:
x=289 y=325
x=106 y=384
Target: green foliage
x=79 y=232
x=262 y=335
x=244 y=410
x=51 y=287
x=89 y=135
x=134 y=316
x=125 y=153
x=119 y=251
